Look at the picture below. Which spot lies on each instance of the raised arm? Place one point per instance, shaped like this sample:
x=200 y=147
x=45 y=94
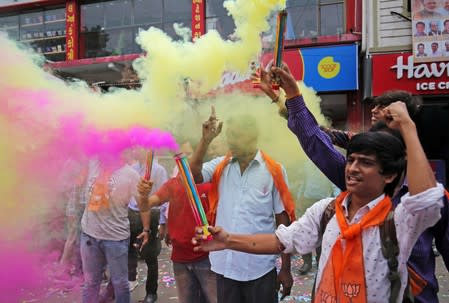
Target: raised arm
x=420 y=176
x=211 y=129
x=145 y=202
x=315 y=142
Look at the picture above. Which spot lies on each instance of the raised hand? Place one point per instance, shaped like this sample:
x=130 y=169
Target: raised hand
x=144 y=187
x=265 y=82
x=212 y=127
x=397 y=115
x=288 y=82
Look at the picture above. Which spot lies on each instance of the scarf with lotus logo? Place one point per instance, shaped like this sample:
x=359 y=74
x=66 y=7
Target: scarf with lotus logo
x=343 y=277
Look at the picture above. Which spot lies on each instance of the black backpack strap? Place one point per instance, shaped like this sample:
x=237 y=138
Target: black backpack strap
x=328 y=213
x=390 y=251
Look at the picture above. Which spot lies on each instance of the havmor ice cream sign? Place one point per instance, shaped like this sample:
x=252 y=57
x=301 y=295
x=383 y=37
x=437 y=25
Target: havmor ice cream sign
x=399 y=71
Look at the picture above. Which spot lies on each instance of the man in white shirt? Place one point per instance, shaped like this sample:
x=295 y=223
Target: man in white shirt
x=151 y=250
x=375 y=162
x=249 y=202
x=421 y=50
x=435 y=52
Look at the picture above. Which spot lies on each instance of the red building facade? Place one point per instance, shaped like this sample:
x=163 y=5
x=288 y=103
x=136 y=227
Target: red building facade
x=95 y=40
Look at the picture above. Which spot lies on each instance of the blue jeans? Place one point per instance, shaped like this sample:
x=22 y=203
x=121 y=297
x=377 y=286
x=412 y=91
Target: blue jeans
x=96 y=254
x=195 y=282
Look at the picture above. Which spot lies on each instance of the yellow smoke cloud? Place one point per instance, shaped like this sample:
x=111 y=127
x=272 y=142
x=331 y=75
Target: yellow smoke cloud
x=204 y=60
x=274 y=136
x=159 y=103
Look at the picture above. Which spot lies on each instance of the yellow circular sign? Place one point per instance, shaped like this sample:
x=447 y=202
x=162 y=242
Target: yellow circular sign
x=327 y=68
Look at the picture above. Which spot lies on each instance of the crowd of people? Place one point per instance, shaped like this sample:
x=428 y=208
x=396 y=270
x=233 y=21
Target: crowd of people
x=371 y=215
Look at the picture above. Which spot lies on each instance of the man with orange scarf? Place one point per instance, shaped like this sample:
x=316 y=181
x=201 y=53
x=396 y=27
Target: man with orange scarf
x=352 y=267
x=249 y=194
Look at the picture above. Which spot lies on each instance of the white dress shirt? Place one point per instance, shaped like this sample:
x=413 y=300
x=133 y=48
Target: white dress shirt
x=412 y=216
x=159 y=177
x=247 y=204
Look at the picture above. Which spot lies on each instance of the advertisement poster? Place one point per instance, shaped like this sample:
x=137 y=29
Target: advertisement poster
x=430 y=30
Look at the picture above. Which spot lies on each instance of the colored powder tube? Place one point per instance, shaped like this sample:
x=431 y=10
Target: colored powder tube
x=149 y=165
x=279 y=46
x=192 y=193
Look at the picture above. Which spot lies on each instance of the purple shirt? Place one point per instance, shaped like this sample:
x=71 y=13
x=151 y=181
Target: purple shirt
x=318 y=147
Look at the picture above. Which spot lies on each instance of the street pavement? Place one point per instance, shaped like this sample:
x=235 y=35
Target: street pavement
x=300 y=292
x=167 y=287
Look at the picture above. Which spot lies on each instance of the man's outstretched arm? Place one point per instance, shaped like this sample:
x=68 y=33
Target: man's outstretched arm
x=254 y=244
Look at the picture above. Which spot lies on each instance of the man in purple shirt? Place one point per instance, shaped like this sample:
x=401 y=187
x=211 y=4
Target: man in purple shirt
x=319 y=148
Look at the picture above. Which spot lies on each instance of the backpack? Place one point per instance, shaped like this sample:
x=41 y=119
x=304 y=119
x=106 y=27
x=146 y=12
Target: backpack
x=390 y=251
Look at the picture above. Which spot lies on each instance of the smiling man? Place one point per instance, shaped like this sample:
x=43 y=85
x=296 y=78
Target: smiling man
x=318 y=145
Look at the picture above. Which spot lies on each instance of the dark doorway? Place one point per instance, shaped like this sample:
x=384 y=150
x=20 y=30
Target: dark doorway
x=432 y=122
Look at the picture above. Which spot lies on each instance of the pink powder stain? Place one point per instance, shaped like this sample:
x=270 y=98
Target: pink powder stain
x=29 y=271
x=20 y=274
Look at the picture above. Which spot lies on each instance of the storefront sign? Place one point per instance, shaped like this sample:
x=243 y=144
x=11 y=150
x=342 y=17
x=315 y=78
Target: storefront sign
x=333 y=68
x=198 y=19
x=72 y=25
x=399 y=71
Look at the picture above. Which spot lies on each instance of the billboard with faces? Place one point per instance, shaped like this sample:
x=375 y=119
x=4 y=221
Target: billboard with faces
x=430 y=30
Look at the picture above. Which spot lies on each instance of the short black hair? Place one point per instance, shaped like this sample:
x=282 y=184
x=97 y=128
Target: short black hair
x=388 y=150
x=412 y=102
x=420 y=22
x=445 y=21
x=381 y=126
x=420 y=44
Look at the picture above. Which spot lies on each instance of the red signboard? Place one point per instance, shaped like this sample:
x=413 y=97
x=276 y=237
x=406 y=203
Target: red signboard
x=398 y=71
x=198 y=19
x=72 y=26
x=231 y=81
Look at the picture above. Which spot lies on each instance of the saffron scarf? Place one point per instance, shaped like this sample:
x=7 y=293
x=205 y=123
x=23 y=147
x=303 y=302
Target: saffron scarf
x=275 y=170
x=343 y=277
x=99 y=197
